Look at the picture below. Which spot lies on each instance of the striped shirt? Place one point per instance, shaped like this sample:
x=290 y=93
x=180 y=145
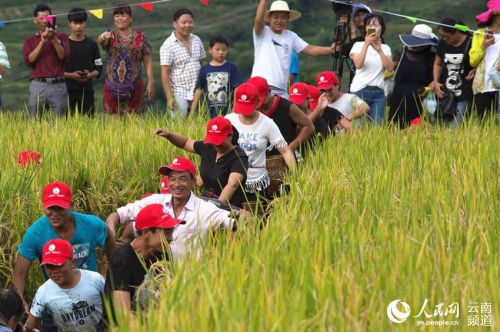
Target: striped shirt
x=4 y=58
x=184 y=66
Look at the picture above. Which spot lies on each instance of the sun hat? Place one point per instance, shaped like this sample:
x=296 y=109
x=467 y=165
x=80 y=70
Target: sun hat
x=282 y=6
x=218 y=129
x=57 y=194
x=246 y=99
x=314 y=94
x=299 y=92
x=56 y=252
x=493 y=9
x=179 y=164
x=155 y=216
x=360 y=7
x=325 y=80
x=421 y=35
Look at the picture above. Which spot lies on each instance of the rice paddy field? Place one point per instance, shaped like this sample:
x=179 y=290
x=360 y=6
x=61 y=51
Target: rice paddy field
x=372 y=217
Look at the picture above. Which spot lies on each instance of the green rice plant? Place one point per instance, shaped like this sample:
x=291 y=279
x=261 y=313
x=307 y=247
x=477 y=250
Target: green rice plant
x=374 y=216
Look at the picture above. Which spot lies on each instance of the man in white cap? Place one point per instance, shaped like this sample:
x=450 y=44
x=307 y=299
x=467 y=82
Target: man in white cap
x=274 y=45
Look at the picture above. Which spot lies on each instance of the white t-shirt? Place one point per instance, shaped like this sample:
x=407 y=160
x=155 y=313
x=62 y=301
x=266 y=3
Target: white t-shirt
x=74 y=309
x=273 y=54
x=490 y=58
x=372 y=72
x=347 y=104
x=255 y=139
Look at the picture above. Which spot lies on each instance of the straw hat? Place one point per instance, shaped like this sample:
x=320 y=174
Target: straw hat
x=421 y=35
x=282 y=6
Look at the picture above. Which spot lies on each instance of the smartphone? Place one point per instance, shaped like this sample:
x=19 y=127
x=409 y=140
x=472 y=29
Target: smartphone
x=82 y=73
x=370 y=31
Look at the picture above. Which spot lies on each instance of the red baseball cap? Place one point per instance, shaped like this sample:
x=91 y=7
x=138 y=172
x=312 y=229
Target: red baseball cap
x=56 y=252
x=313 y=97
x=179 y=164
x=28 y=157
x=299 y=93
x=154 y=216
x=218 y=129
x=246 y=99
x=57 y=194
x=262 y=86
x=325 y=80
x=164 y=189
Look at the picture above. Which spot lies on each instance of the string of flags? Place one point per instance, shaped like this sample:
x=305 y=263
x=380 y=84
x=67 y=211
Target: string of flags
x=414 y=20
x=99 y=12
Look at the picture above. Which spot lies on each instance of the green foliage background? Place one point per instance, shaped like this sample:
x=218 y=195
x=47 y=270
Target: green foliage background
x=231 y=18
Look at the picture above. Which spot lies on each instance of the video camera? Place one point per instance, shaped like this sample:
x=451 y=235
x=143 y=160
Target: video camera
x=342 y=7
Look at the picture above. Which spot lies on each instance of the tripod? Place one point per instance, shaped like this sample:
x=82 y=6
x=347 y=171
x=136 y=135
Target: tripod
x=341 y=55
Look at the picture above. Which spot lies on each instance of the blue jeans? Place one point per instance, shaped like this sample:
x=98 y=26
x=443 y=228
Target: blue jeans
x=459 y=117
x=375 y=98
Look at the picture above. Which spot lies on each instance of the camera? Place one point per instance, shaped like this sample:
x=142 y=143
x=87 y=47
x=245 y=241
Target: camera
x=342 y=7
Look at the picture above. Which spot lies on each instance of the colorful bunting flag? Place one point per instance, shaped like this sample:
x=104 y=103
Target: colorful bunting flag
x=463 y=28
x=411 y=19
x=97 y=13
x=205 y=2
x=149 y=6
x=50 y=19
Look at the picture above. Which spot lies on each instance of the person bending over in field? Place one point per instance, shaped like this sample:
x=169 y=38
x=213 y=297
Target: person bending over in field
x=11 y=310
x=126 y=270
x=84 y=232
x=200 y=216
x=73 y=296
x=224 y=164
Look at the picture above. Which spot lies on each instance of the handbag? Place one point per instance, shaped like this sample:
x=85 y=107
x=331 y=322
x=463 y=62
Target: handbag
x=120 y=91
x=447 y=106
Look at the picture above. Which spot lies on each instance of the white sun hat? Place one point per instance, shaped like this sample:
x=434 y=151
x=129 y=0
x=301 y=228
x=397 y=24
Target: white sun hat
x=421 y=35
x=282 y=6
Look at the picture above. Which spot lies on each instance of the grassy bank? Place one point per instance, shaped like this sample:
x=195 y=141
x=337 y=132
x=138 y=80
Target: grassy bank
x=376 y=216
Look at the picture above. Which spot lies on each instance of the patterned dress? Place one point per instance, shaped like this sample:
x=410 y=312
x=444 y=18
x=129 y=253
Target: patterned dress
x=124 y=65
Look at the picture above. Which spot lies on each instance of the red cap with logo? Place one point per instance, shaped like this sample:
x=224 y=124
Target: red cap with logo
x=179 y=164
x=218 y=129
x=299 y=92
x=262 y=86
x=56 y=252
x=57 y=194
x=155 y=216
x=25 y=158
x=326 y=80
x=246 y=99
x=313 y=97
x=164 y=189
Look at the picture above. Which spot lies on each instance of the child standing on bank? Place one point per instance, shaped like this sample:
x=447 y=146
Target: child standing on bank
x=84 y=65
x=217 y=80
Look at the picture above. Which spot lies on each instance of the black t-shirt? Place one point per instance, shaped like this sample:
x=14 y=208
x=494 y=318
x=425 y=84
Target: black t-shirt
x=125 y=273
x=84 y=56
x=455 y=67
x=215 y=174
x=280 y=114
x=332 y=117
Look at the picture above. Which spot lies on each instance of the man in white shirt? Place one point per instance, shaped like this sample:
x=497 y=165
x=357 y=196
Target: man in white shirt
x=274 y=45
x=200 y=216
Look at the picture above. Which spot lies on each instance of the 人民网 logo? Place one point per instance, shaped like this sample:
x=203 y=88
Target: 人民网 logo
x=398 y=316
